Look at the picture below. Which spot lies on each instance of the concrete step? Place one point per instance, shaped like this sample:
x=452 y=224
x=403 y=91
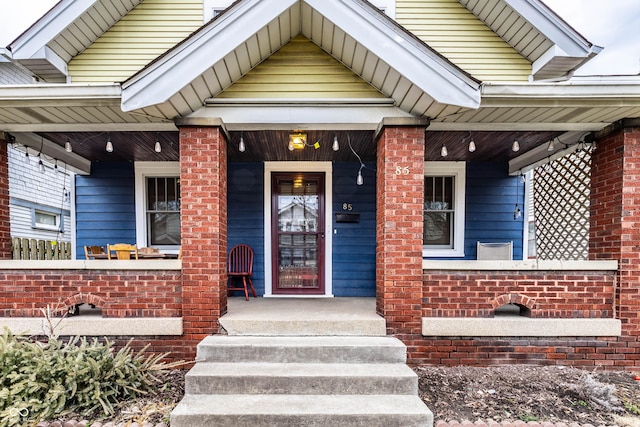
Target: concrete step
x=301 y=378
x=303 y=317
x=301 y=410
x=224 y=348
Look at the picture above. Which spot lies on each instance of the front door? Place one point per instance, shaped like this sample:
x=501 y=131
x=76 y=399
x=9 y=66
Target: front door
x=298 y=233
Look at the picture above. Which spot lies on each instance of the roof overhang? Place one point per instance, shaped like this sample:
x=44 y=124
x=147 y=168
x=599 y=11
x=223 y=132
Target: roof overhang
x=419 y=80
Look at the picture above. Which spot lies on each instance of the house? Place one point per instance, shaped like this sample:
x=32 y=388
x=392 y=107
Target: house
x=402 y=128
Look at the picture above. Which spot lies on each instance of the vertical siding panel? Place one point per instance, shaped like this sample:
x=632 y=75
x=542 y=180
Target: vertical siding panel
x=150 y=29
x=246 y=213
x=449 y=28
x=354 y=244
x=105 y=209
x=491 y=199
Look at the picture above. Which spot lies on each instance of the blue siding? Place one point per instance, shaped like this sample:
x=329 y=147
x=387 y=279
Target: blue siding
x=490 y=201
x=354 y=244
x=105 y=206
x=246 y=214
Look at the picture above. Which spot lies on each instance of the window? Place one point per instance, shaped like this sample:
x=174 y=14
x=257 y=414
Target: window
x=213 y=8
x=443 y=234
x=46 y=220
x=158 y=204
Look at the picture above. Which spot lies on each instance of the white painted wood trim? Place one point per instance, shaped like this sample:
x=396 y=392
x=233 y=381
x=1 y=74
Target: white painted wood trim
x=532 y=265
x=327 y=168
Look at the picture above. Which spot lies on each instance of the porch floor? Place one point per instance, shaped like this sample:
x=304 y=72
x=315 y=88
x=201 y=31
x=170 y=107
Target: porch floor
x=303 y=317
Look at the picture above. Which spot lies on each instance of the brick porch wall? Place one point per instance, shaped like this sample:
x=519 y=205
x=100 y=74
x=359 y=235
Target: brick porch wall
x=131 y=293
x=399 y=224
x=203 y=181
x=5 y=219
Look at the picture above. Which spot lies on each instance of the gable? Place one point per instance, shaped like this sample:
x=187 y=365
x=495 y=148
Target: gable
x=146 y=32
x=301 y=70
x=449 y=28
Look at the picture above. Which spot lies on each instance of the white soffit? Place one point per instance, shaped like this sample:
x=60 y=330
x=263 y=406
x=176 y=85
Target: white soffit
x=67 y=29
x=540 y=35
x=373 y=46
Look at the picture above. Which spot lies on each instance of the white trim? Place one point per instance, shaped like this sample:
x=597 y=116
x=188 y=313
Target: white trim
x=459 y=171
x=142 y=171
x=327 y=168
x=529 y=265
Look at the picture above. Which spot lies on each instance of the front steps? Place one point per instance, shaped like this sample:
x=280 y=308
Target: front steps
x=301 y=381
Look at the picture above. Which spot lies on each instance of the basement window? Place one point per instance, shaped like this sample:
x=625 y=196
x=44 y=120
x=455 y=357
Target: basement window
x=512 y=310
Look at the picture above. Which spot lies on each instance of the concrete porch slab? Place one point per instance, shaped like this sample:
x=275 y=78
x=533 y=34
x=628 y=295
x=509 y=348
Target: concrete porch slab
x=303 y=317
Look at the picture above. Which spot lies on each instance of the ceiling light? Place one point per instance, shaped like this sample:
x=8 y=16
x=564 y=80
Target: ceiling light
x=551 y=147
x=443 y=151
x=515 y=146
x=472 y=146
x=241 y=146
x=109 y=146
x=67 y=146
x=359 y=179
x=335 y=146
x=297 y=141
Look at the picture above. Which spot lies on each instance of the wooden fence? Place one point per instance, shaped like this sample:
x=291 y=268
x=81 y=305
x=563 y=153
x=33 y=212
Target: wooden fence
x=39 y=249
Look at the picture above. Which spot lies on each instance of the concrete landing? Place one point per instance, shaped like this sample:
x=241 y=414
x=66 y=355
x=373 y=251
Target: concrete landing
x=303 y=317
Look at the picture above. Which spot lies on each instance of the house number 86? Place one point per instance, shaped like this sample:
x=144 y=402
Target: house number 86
x=402 y=170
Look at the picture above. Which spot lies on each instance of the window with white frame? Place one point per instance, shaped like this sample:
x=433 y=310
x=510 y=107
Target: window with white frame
x=46 y=220
x=158 y=204
x=444 y=195
x=213 y=8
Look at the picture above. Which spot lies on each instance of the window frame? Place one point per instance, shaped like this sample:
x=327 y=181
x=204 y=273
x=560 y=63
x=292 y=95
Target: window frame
x=59 y=221
x=457 y=170
x=144 y=170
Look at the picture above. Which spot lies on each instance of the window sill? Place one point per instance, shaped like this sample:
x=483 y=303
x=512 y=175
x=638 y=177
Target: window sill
x=97 y=326
x=514 y=326
x=142 y=264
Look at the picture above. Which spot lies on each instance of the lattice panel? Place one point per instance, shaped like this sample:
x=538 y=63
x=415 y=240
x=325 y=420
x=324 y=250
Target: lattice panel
x=561 y=192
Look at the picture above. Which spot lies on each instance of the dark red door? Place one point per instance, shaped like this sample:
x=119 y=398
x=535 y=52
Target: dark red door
x=298 y=228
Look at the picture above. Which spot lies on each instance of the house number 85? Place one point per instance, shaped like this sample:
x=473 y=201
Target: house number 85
x=402 y=170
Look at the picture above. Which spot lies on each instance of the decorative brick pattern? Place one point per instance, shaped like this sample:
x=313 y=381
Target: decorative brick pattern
x=203 y=180
x=23 y=293
x=400 y=200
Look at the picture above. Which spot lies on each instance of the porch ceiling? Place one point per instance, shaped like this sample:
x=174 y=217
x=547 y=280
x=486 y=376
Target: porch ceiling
x=272 y=145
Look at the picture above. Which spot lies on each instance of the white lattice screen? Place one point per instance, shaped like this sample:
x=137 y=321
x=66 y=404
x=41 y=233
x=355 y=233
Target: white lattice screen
x=561 y=192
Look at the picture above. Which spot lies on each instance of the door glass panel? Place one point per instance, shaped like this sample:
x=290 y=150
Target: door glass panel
x=298 y=233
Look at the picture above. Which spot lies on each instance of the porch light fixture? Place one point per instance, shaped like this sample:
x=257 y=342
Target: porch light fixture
x=297 y=141
x=67 y=146
x=359 y=180
x=515 y=146
x=443 y=151
x=472 y=146
x=241 y=146
x=109 y=146
x=336 y=145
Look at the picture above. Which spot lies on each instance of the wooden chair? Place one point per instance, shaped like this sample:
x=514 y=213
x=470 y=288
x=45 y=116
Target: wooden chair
x=90 y=251
x=122 y=251
x=240 y=268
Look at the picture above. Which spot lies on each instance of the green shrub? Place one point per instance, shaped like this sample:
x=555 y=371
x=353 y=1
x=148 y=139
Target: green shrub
x=41 y=380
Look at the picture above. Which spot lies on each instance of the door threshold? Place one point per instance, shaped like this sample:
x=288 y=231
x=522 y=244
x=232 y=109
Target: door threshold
x=296 y=296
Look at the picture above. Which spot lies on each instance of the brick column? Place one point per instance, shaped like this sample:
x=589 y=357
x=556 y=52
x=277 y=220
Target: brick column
x=203 y=186
x=615 y=220
x=5 y=219
x=399 y=224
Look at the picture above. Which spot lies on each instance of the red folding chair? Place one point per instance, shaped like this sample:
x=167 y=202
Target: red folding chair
x=240 y=269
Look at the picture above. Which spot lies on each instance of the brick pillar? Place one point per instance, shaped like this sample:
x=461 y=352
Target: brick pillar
x=5 y=218
x=399 y=224
x=203 y=186
x=615 y=219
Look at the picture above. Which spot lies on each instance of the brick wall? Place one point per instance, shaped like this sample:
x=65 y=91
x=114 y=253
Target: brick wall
x=131 y=293
x=203 y=181
x=400 y=199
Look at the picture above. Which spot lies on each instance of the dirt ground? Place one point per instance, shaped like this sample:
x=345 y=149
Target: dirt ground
x=501 y=394
x=531 y=393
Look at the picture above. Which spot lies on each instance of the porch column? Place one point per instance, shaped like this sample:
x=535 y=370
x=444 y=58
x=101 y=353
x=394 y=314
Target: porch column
x=399 y=224
x=5 y=219
x=615 y=219
x=203 y=187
